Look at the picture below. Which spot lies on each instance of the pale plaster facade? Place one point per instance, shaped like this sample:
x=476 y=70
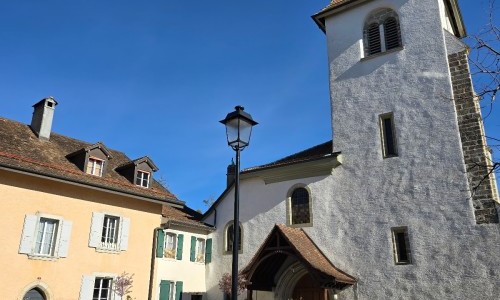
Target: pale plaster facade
x=61 y=278
x=192 y=274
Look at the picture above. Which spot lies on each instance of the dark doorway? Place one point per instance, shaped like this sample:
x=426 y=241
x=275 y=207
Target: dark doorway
x=307 y=289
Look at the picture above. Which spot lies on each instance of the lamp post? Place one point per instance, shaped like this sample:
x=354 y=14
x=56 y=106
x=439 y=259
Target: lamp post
x=238 y=131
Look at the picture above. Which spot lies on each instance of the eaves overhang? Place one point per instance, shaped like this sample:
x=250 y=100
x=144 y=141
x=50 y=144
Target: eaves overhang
x=178 y=224
x=451 y=5
x=75 y=182
x=319 y=166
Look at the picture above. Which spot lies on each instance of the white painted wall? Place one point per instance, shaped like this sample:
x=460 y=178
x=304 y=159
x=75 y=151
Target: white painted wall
x=423 y=188
x=192 y=274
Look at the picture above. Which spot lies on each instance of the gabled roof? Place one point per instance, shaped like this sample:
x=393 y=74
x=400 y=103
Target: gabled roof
x=316 y=152
x=297 y=243
x=337 y=6
x=145 y=159
x=22 y=151
x=184 y=217
x=98 y=145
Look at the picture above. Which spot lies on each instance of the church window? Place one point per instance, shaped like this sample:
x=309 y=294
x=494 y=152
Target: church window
x=229 y=238
x=388 y=134
x=381 y=32
x=299 y=208
x=401 y=246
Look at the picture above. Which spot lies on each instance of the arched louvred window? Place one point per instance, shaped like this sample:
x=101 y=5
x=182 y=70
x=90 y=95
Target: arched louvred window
x=381 y=31
x=299 y=204
x=373 y=39
x=391 y=33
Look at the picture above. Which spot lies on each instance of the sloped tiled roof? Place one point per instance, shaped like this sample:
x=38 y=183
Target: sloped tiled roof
x=184 y=216
x=315 y=152
x=21 y=150
x=305 y=249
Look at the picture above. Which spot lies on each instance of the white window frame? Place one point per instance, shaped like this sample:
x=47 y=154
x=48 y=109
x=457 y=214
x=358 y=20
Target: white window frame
x=200 y=250
x=88 y=285
x=140 y=177
x=172 y=249
x=95 y=161
x=59 y=245
x=42 y=230
x=99 y=235
x=110 y=288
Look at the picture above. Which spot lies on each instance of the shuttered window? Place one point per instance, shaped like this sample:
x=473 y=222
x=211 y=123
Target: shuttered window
x=391 y=34
x=374 y=45
x=382 y=32
x=109 y=232
x=45 y=235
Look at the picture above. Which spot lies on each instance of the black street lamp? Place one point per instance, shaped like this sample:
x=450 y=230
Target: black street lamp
x=238 y=130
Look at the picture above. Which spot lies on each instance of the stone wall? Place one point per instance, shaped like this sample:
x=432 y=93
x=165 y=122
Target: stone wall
x=477 y=156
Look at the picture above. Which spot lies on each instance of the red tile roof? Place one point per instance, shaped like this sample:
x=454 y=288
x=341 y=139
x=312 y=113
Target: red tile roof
x=21 y=150
x=305 y=249
x=184 y=216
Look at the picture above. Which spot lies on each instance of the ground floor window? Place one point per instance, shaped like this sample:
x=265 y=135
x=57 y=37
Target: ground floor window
x=102 y=288
x=34 y=294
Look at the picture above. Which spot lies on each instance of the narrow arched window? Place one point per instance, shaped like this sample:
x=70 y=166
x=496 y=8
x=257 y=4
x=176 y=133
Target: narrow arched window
x=229 y=235
x=381 y=32
x=299 y=205
x=391 y=33
x=374 y=45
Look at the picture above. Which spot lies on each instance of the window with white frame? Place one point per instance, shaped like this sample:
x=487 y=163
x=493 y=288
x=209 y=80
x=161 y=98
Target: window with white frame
x=142 y=179
x=170 y=246
x=109 y=238
x=98 y=286
x=381 y=32
x=200 y=250
x=102 y=288
x=95 y=166
x=45 y=236
x=109 y=232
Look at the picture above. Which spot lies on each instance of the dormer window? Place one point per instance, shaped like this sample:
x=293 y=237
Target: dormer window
x=95 y=166
x=139 y=171
x=92 y=159
x=142 y=179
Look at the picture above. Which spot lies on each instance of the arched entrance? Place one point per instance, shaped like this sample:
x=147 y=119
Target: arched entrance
x=34 y=294
x=308 y=289
x=288 y=265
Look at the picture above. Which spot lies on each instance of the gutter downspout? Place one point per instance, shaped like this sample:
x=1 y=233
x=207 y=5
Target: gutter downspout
x=153 y=261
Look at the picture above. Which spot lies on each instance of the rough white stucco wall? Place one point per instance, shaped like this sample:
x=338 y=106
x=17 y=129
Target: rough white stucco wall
x=423 y=188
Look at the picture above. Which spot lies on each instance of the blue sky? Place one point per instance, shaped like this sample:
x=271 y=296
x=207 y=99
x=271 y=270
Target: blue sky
x=155 y=77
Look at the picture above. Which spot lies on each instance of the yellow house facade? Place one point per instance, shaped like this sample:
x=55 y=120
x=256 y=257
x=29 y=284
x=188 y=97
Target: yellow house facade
x=75 y=215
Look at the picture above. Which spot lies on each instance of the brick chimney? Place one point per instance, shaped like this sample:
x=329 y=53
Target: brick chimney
x=231 y=170
x=43 y=113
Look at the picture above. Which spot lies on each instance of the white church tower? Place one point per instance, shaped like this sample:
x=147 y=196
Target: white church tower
x=400 y=205
x=405 y=118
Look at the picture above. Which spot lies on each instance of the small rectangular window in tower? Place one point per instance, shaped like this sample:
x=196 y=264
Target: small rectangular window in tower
x=389 y=146
x=401 y=246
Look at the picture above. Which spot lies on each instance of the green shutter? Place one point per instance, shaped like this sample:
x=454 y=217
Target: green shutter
x=178 y=290
x=180 y=243
x=164 y=290
x=160 y=241
x=208 y=251
x=193 y=249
